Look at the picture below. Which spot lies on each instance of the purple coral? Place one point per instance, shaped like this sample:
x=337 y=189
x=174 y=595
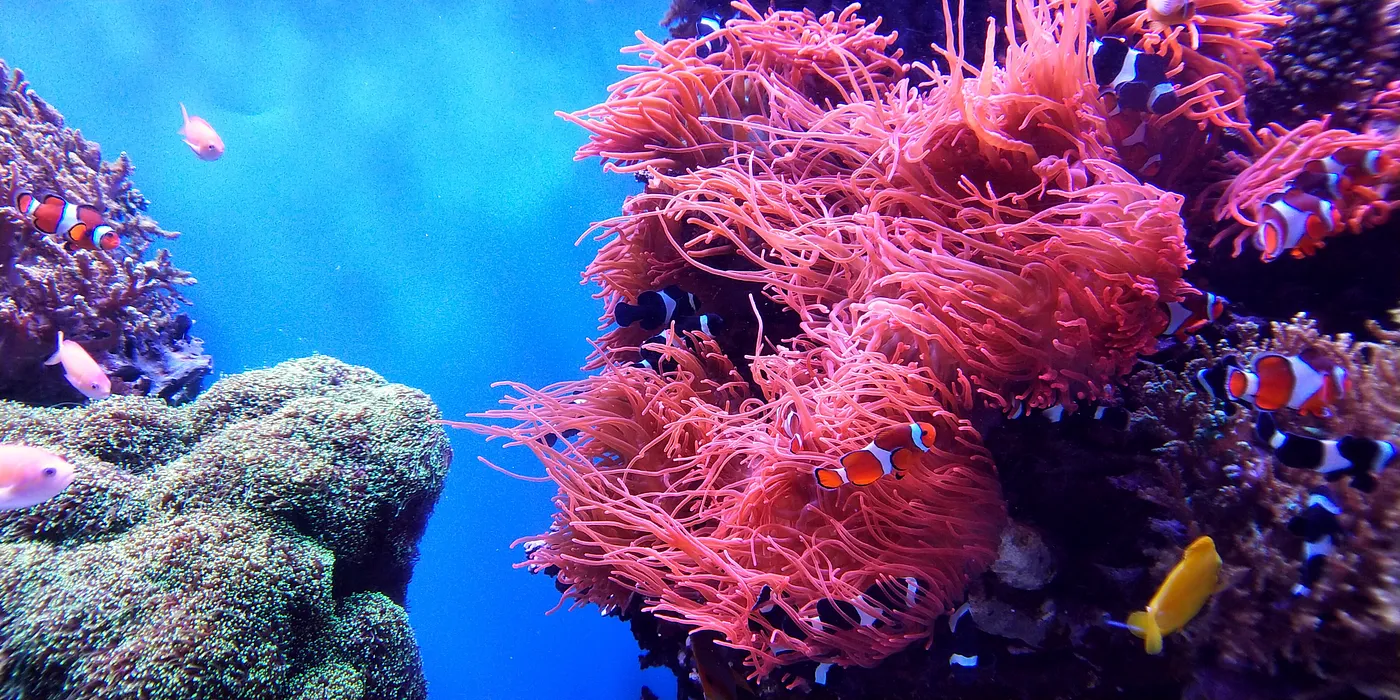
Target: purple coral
x=123 y=308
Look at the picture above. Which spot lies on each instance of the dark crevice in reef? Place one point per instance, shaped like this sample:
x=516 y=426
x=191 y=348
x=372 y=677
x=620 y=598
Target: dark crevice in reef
x=393 y=550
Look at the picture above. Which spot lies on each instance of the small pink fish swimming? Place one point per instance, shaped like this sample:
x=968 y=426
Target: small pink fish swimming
x=200 y=137
x=30 y=475
x=80 y=369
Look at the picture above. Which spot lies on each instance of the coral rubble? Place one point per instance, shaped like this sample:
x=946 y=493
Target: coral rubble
x=255 y=543
x=124 y=308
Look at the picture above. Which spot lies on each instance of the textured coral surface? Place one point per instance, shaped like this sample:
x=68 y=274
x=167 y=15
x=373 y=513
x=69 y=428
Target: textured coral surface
x=256 y=543
x=123 y=306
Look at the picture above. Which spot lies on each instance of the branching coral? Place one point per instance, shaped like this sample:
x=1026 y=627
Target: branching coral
x=121 y=307
x=255 y=543
x=1344 y=633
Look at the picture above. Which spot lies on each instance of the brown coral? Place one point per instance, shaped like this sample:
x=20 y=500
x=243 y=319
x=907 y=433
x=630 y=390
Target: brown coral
x=123 y=308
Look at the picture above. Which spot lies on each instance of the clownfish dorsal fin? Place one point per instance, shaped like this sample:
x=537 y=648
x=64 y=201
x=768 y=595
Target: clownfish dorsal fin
x=58 y=351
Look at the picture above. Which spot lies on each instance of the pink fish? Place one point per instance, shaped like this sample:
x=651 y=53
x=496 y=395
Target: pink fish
x=200 y=137
x=29 y=476
x=80 y=369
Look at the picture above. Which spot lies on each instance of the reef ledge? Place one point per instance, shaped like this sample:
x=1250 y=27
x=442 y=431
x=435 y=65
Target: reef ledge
x=254 y=543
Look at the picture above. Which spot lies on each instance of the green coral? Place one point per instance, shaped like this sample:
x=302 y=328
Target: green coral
x=256 y=543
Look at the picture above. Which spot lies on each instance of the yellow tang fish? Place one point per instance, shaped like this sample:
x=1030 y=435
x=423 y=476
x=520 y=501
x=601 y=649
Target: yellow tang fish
x=1181 y=596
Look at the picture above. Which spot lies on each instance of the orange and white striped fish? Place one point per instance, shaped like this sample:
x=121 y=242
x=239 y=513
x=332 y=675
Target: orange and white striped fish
x=80 y=226
x=893 y=451
x=1195 y=311
x=1294 y=220
x=1307 y=383
x=1337 y=175
x=1355 y=165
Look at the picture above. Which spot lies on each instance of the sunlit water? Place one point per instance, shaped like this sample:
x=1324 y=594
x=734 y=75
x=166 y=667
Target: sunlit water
x=398 y=194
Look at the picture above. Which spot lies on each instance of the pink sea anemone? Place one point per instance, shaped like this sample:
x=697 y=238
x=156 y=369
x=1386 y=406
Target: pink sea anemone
x=1287 y=153
x=890 y=244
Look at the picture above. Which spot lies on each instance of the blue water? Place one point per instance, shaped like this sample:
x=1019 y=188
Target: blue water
x=398 y=194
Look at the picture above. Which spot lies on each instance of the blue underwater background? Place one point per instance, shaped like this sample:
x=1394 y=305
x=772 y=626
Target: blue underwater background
x=396 y=193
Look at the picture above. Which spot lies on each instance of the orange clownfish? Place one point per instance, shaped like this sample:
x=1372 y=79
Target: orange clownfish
x=1335 y=176
x=1307 y=383
x=80 y=226
x=1182 y=594
x=892 y=451
x=1294 y=220
x=1194 y=312
x=1355 y=165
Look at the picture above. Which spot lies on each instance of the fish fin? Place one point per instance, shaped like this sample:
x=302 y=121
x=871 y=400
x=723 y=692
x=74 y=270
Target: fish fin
x=1145 y=626
x=626 y=314
x=1362 y=481
x=58 y=350
x=184 y=119
x=828 y=478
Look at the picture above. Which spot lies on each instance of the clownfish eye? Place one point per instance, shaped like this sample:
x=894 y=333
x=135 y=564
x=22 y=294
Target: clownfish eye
x=50 y=471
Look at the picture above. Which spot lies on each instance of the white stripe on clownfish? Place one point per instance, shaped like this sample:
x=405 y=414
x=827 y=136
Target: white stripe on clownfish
x=1292 y=221
x=1139 y=135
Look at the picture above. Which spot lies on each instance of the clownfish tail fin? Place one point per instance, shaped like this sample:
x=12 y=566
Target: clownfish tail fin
x=1145 y=626
x=626 y=314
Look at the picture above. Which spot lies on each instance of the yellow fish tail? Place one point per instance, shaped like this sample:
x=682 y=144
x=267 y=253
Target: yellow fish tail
x=1144 y=625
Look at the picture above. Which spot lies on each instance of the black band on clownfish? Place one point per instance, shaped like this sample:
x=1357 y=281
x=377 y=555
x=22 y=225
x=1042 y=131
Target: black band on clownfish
x=656 y=310
x=776 y=617
x=655 y=360
x=1138 y=79
x=553 y=439
x=1317 y=524
x=965 y=657
x=709 y=324
x=895 y=595
x=1359 y=458
x=707 y=25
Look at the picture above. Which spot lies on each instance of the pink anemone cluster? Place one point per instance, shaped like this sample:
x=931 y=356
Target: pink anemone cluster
x=889 y=244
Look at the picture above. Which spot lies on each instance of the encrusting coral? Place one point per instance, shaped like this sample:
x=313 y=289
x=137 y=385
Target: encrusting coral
x=121 y=307
x=1332 y=57
x=255 y=543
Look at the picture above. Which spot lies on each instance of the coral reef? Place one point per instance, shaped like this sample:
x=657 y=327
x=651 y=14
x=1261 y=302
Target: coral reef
x=255 y=543
x=992 y=249
x=123 y=308
x=801 y=166
x=1330 y=59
